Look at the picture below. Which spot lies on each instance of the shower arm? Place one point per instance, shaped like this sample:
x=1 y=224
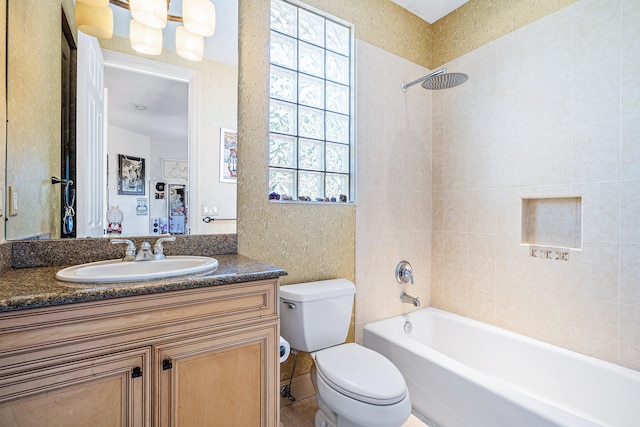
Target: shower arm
x=405 y=86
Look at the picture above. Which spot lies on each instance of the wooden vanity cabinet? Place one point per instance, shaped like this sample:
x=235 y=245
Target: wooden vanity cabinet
x=198 y=357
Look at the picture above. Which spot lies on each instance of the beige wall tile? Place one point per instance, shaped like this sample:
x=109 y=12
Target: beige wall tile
x=589 y=46
x=556 y=129
x=630 y=148
x=629 y=208
x=630 y=274
x=595 y=152
x=629 y=341
x=630 y=30
x=596 y=99
x=630 y=90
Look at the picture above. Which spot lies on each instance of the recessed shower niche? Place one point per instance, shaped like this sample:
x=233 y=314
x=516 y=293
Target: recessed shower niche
x=554 y=222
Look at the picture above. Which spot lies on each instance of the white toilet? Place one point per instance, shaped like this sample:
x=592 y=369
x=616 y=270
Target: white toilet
x=355 y=386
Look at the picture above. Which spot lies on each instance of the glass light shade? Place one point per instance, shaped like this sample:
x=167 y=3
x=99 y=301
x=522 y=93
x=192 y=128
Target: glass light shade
x=96 y=3
x=188 y=45
x=145 y=39
x=152 y=13
x=199 y=17
x=95 y=21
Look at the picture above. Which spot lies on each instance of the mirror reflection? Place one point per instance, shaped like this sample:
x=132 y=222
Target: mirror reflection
x=137 y=150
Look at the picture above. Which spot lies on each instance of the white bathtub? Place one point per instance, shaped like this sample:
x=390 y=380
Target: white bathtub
x=464 y=373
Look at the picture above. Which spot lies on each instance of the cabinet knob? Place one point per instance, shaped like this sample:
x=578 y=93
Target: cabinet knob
x=136 y=372
x=166 y=364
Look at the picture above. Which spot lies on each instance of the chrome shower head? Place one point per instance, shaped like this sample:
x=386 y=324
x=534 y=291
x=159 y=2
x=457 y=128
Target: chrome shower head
x=438 y=80
x=445 y=81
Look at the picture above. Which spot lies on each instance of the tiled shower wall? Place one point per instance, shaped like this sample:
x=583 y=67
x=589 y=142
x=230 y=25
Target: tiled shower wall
x=551 y=110
x=393 y=215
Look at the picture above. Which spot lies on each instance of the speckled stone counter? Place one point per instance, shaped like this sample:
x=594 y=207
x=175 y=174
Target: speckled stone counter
x=37 y=287
x=28 y=269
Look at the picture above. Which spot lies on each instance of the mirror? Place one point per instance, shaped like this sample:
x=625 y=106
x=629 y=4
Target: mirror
x=36 y=129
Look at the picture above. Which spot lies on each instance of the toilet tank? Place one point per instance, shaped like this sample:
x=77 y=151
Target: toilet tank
x=316 y=315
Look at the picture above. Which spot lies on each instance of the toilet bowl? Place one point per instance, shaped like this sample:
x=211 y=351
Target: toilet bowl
x=361 y=387
x=355 y=386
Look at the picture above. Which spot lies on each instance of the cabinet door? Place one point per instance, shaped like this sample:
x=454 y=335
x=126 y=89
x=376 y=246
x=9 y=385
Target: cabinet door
x=109 y=391
x=221 y=380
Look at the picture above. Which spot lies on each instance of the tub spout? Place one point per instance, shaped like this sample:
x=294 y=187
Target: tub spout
x=410 y=300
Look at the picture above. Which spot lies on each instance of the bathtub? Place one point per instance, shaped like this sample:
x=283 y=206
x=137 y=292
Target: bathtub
x=464 y=373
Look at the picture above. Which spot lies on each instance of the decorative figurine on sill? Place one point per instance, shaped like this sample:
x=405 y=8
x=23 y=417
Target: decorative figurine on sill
x=114 y=218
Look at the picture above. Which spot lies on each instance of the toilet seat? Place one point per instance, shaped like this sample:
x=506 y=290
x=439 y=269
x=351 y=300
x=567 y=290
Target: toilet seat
x=361 y=374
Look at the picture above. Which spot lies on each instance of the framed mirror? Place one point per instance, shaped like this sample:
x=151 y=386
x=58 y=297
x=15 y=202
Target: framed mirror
x=46 y=104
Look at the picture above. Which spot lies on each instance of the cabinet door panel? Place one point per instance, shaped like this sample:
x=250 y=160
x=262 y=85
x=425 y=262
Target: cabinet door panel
x=221 y=381
x=92 y=392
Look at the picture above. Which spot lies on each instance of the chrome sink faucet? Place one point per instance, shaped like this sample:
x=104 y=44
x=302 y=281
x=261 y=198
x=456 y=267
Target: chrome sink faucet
x=130 y=252
x=143 y=253
x=158 y=249
x=410 y=300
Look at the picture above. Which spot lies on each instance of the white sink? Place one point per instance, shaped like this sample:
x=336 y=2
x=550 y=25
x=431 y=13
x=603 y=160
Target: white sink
x=116 y=270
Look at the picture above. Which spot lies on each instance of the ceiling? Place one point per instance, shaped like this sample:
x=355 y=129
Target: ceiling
x=147 y=105
x=430 y=10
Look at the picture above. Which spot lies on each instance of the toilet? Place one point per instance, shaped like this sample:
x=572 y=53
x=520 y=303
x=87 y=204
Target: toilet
x=355 y=386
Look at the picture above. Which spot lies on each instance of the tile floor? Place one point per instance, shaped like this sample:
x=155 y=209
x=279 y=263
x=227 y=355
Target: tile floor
x=302 y=412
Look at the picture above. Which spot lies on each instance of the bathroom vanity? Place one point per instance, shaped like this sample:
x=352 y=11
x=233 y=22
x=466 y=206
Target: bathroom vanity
x=189 y=351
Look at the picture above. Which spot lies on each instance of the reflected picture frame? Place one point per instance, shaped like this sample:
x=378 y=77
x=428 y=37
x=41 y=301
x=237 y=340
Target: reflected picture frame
x=131 y=172
x=228 y=155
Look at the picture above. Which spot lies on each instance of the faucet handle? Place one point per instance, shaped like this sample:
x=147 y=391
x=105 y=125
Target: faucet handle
x=158 y=248
x=130 y=253
x=404 y=273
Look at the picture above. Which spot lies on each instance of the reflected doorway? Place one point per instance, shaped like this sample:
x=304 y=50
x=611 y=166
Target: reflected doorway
x=149 y=116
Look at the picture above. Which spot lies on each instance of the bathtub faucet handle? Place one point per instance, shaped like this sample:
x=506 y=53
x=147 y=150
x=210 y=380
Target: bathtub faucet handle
x=404 y=273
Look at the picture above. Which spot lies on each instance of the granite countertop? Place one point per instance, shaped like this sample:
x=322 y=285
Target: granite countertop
x=24 y=288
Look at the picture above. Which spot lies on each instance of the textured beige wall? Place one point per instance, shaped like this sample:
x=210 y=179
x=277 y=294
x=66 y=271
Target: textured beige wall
x=33 y=112
x=384 y=24
x=310 y=241
x=479 y=22
x=3 y=108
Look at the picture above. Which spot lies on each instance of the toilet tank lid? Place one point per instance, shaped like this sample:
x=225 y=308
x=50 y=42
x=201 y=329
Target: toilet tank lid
x=310 y=291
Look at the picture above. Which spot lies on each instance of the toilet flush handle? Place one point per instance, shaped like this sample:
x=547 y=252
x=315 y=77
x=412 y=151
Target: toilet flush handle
x=289 y=304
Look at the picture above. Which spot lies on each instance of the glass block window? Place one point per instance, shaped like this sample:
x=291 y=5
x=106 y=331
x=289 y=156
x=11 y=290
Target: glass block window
x=310 y=111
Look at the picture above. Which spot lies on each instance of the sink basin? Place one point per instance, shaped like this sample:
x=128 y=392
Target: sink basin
x=116 y=270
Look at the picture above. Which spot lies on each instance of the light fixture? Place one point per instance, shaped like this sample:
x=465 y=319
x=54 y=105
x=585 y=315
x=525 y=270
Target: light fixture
x=149 y=17
x=189 y=45
x=199 y=17
x=94 y=19
x=152 y=13
x=145 y=39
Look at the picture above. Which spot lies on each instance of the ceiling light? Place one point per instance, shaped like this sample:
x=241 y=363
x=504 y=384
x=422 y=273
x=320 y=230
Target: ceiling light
x=152 y=13
x=199 y=17
x=189 y=45
x=95 y=17
x=145 y=39
x=96 y=3
x=96 y=21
